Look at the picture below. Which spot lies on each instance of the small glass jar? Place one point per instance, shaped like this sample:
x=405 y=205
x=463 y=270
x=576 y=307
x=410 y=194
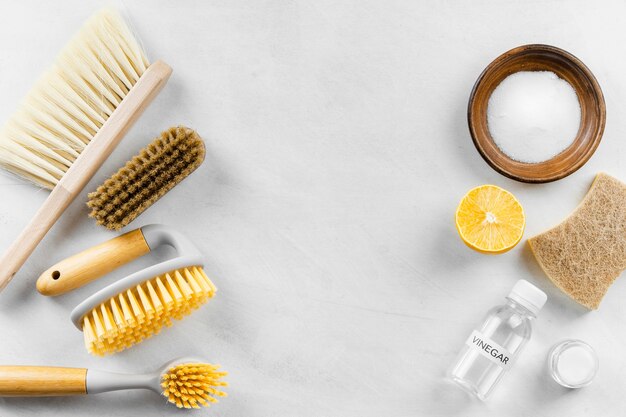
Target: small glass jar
x=573 y=363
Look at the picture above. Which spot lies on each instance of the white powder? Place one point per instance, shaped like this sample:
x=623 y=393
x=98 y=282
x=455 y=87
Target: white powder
x=533 y=116
x=576 y=365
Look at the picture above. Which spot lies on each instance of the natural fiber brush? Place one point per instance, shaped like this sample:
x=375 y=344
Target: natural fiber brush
x=72 y=120
x=147 y=177
x=139 y=305
x=72 y=100
x=185 y=382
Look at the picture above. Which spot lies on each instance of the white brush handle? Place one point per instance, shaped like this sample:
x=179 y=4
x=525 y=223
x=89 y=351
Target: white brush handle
x=85 y=166
x=101 y=381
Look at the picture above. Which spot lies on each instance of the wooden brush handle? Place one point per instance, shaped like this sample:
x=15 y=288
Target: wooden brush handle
x=81 y=171
x=41 y=381
x=92 y=263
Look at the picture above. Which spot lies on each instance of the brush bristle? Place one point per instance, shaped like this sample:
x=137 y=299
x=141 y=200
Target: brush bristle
x=191 y=385
x=147 y=177
x=142 y=311
x=72 y=100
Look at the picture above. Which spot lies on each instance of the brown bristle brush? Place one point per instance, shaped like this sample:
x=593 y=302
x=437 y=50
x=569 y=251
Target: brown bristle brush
x=147 y=177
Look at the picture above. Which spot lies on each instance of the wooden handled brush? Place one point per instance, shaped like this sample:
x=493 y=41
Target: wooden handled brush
x=92 y=263
x=185 y=382
x=72 y=120
x=138 y=306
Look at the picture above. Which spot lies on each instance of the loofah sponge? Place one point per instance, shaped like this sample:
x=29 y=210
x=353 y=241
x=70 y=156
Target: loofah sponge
x=168 y=160
x=587 y=252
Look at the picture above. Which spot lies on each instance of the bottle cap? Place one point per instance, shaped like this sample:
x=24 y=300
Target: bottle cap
x=528 y=295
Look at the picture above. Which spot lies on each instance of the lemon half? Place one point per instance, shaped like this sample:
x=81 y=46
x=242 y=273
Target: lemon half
x=489 y=219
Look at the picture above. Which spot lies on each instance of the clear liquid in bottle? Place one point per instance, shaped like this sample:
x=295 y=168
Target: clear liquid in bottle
x=493 y=347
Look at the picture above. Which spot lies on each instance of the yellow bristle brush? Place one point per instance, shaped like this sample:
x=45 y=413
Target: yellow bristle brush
x=73 y=118
x=186 y=383
x=139 y=305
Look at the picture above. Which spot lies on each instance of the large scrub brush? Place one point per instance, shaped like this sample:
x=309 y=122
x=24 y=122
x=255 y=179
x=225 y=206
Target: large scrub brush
x=186 y=383
x=139 y=305
x=73 y=118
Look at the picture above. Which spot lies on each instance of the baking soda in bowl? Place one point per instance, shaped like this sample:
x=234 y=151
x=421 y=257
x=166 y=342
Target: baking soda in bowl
x=533 y=116
x=573 y=363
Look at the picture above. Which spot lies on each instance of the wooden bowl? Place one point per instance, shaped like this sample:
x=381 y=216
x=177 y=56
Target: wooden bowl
x=567 y=67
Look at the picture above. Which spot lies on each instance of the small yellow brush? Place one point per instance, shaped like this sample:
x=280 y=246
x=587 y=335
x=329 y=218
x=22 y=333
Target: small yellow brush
x=73 y=118
x=186 y=383
x=140 y=305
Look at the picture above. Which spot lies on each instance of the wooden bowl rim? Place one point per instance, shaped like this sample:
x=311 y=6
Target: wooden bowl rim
x=591 y=144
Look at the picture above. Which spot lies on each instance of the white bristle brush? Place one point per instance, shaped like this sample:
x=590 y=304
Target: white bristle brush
x=186 y=383
x=73 y=118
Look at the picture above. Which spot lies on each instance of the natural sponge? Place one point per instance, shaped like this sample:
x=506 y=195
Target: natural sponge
x=168 y=160
x=587 y=252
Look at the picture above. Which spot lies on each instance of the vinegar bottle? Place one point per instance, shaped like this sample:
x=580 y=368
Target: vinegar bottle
x=493 y=347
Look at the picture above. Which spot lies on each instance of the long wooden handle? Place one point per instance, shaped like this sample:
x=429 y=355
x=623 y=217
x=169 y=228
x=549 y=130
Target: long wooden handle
x=92 y=263
x=81 y=171
x=41 y=381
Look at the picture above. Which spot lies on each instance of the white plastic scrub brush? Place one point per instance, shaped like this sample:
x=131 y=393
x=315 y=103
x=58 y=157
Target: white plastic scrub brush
x=139 y=305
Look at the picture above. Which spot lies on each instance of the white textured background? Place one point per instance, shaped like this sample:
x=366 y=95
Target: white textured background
x=337 y=152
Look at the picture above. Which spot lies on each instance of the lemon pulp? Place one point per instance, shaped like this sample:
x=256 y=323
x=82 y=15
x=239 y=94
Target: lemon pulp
x=489 y=219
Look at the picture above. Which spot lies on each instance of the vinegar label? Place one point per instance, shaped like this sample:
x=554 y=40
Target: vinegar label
x=490 y=349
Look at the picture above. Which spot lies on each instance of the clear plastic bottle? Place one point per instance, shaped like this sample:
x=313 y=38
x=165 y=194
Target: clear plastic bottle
x=493 y=348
